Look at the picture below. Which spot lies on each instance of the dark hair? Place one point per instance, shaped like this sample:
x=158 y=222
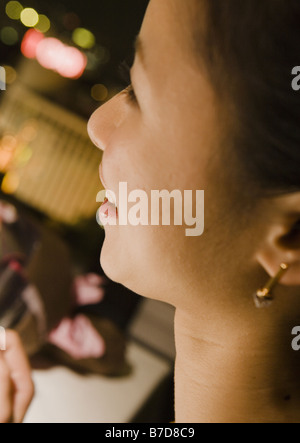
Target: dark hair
x=250 y=48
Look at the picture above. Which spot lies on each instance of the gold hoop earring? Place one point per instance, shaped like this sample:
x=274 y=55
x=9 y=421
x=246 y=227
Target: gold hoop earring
x=263 y=297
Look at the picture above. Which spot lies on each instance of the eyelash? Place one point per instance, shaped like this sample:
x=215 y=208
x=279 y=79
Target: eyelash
x=124 y=70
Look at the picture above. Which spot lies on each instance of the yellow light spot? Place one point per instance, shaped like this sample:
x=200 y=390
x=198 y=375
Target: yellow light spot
x=29 y=131
x=10 y=182
x=13 y=10
x=29 y=17
x=9 y=142
x=5 y=160
x=99 y=93
x=24 y=156
x=84 y=38
x=8 y=146
x=43 y=24
x=9 y=36
x=11 y=74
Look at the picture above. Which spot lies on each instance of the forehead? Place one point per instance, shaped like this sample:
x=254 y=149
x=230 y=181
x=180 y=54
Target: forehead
x=170 y=25
x=170 y=40
x=177 y=80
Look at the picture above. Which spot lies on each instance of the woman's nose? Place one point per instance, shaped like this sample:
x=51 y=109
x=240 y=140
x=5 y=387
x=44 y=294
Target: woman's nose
x=105 y=120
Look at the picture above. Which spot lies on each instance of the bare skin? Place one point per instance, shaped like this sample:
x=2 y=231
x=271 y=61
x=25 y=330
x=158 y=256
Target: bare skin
x=234 y=363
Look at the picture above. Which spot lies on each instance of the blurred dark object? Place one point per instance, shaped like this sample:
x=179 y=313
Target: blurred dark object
x=12 y=285
x=36 y=294
x=35 y=279
x=113 y=362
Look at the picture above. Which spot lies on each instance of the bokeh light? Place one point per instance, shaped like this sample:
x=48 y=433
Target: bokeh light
x=84 y=38
x=48 y=53
x=43 y=24
x=72 y=64
x=9 y=36
x=13 y=10
x=99 y=92
x=29 y=131
x=69 y=62
x=29 y=17
x=24 y=156
x=6 y=158
x=52 y=54
x=9 y=142
x=93 y=61
x=8 y=146
x=30 y=43
x=10 y=182
x=102 y=54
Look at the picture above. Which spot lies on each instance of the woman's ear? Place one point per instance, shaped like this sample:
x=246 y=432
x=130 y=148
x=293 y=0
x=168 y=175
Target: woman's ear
x=282 y=240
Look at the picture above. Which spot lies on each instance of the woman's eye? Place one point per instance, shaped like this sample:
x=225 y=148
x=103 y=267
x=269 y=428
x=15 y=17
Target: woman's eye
x=124 y=70
x=130 y=94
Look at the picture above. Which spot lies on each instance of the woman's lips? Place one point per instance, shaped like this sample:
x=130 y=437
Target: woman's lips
x=108 y=213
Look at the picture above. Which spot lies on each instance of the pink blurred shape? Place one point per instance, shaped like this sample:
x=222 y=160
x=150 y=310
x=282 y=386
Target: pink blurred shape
x=8 y=213
x=30 y=43
x=88 y=289
x=49 y=53
x=52 y=54
x=72 y=63
x=78 y=338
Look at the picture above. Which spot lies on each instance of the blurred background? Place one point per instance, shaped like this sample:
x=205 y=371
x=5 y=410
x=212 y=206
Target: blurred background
x=61 y=61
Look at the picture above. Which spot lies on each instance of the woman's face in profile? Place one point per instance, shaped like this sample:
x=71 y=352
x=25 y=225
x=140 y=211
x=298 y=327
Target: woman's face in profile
x=167 y=137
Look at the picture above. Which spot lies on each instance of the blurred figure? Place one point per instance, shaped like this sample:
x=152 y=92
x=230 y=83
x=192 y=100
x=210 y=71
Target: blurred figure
x=16 y=386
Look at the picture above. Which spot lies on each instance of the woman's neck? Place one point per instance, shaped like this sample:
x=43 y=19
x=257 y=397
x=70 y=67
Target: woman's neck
x=238 y=370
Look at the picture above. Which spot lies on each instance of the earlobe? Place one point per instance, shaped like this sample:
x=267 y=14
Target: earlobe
x=272 y=258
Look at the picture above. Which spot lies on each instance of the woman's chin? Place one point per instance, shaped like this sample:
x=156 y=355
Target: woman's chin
x=124 y=262
x=115 y=261
x=117 y=266
x=109 y=262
